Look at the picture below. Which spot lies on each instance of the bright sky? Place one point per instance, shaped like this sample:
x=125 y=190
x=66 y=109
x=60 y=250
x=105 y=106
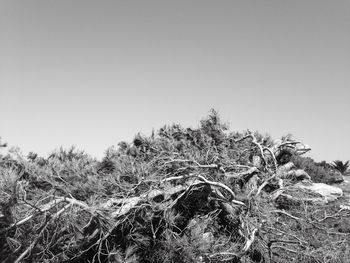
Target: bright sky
x=93 y=73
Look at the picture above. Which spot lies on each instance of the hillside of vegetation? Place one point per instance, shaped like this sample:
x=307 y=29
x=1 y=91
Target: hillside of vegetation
x=179 y=195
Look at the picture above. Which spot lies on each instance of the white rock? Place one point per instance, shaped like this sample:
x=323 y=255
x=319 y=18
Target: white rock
x=328 y=192
x=345 y=207
x=299 y=174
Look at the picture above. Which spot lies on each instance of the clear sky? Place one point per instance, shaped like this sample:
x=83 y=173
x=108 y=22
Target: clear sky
x=93 y=73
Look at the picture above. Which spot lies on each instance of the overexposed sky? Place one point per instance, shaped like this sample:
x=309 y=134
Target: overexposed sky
x=93 y=73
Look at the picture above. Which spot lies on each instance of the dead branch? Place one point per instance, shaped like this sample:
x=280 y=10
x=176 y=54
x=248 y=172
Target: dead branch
x=254 y=141
x=48 y=206
x=250 y=171
x=43 y=228
x=285 y=248
x=248 y=243
x=265 y=183
x=337 y=214
x=197 y=165
x=287 y=214
x=262 y=149
x=273 y=156
x=203 y=179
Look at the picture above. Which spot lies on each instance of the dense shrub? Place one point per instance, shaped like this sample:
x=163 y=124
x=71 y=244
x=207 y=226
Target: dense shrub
x=179 y=195
x=319 y=172
x=343 y=168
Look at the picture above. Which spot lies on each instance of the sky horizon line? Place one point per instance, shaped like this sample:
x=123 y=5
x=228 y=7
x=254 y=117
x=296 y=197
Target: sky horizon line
x=13 y=147
x=93 y=73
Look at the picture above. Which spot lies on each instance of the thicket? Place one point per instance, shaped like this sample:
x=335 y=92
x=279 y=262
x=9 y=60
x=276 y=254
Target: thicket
x=322 y=172
x=179 y=195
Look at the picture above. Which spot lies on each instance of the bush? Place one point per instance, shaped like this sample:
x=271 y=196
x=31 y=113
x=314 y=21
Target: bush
x=179 y=195
x=319 y=172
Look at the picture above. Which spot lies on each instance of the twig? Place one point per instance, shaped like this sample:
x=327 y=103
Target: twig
x=265 y=183
x=287 y=249
x=287 y=214
x=333 y=216
x=273 y=157
x=214 y=166
x=249 y=242
x=240 y=175
x=49 y=206
x=254 y=141
x=32 y=245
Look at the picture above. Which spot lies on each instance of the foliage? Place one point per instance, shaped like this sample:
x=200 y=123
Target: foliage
x=340 y=166
x=319 y=172
x=180 y=195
